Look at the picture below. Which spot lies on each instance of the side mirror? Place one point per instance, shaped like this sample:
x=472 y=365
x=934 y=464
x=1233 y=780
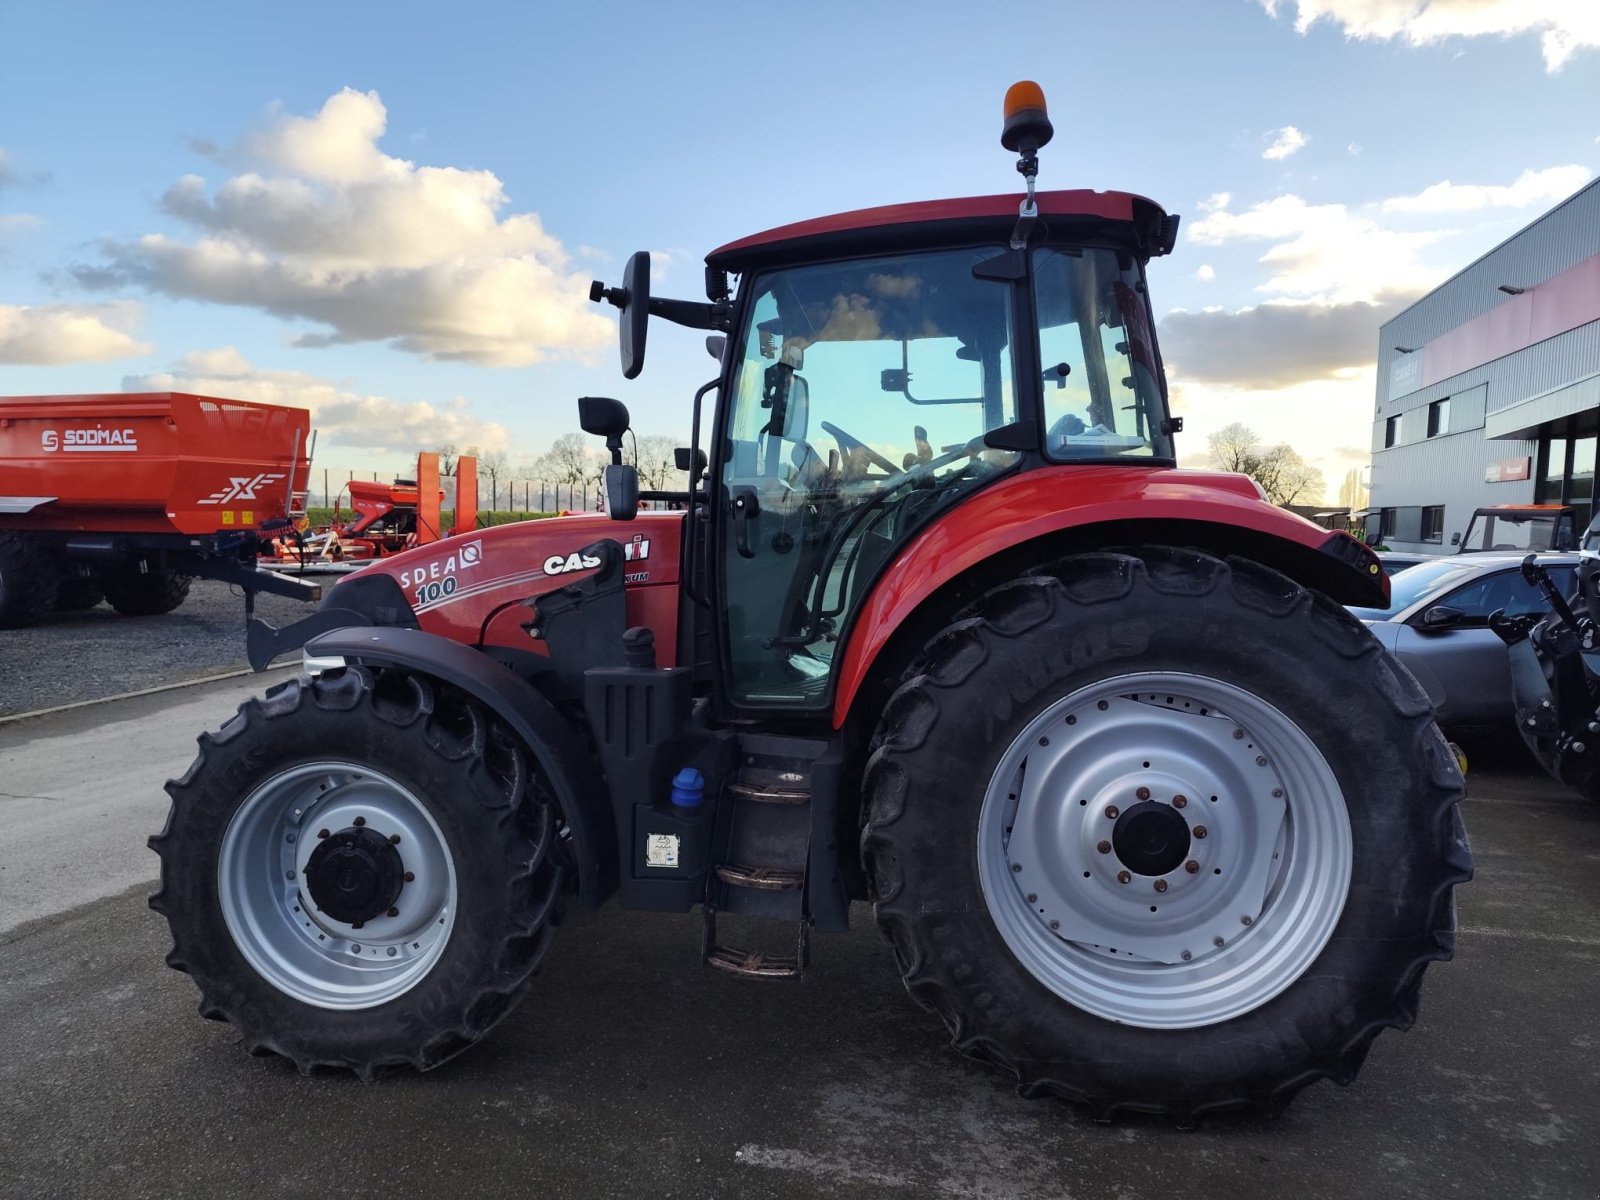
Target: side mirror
x=633 y=298
x=622 y=492
x=1455 y=539
x=1442 y=616
x=686 y=460
x=717 y=345
x=607 y=418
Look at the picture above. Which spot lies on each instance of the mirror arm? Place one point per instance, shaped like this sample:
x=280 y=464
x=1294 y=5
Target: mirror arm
x=694 y=314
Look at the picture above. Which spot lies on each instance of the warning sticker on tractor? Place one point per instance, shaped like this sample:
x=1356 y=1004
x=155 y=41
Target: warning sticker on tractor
x=661 y=850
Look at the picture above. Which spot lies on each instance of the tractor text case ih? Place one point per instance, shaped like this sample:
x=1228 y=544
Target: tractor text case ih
x=1150 y=821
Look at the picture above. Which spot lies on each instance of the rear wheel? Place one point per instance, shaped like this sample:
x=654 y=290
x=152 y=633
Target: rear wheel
x=1164 y=834
x=360 y=871
x=27 y=581
x=146 y=594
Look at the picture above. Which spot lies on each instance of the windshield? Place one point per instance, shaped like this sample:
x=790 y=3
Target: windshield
x=1517 y=531
x=1414 y=583
x=1102 y=387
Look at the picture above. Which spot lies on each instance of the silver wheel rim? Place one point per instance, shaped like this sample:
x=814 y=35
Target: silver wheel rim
x=269 y=912
x=1240 y=916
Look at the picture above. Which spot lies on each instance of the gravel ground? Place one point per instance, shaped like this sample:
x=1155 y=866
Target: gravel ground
x=97 y=653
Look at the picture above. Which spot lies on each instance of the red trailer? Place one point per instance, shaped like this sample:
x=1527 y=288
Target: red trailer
x=130 y=495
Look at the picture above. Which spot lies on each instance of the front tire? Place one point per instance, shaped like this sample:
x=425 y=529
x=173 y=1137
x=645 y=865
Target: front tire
x=1163 y=834
x=360 y=871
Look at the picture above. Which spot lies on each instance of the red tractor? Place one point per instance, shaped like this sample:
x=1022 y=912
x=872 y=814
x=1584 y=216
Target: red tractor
x=1152 y=823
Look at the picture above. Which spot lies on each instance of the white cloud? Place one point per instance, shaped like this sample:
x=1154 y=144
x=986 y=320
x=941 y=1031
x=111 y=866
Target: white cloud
x=1284 y=142
x=1531 y=187
x=47 y=335
x=11 y=222
x=353 y=420
x=1354 y=149
x=370 y=247
x=1323 y=252
x=1276 y=345
x=1564 y=26
x=1205 y=273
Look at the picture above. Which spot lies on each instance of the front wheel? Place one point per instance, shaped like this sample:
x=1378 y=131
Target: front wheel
x=360 y=871
x=1163 y=834
x=145 y=594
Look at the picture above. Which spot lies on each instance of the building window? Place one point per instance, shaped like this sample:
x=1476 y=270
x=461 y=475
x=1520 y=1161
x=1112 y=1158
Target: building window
x=1391 y=432
x=1433 y=523
x=1385 y=523
x=1439 y=417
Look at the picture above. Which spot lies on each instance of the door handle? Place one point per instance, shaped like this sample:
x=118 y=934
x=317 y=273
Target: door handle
x=745 y=510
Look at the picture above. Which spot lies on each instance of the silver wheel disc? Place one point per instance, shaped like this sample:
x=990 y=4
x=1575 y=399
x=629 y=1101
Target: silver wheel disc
x=301 y=951
x=1164 y=850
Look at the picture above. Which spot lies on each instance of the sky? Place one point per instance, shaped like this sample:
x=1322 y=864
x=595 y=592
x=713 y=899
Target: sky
x=390 y=212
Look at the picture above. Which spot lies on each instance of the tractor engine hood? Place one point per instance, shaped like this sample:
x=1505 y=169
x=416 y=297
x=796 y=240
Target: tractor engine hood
x=470 y=588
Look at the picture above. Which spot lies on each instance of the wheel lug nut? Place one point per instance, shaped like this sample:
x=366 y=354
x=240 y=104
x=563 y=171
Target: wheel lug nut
x=358 y=822
x=1218 y=943
x=1143 y=793
x=1238 y=735
x=1186 y=956
x=322 y=833
x=1180 y=801
x=1124 y=877
x=394 y=839
x=1199 y=831
x=409 y=877
x=1112 y=812
x=393 y=912
x=1161 y=885
x=1191 y=866
x=1247 y=921
x=1016 y=868
x=1055 y=924
x=1104 y=847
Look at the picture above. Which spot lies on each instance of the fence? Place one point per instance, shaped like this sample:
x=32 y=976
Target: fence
x=518 y=495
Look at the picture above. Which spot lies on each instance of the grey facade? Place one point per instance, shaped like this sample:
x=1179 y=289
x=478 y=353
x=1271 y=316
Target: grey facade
x=1514 y=401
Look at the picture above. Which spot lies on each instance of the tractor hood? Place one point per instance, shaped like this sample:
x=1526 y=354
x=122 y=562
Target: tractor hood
x=469 y=588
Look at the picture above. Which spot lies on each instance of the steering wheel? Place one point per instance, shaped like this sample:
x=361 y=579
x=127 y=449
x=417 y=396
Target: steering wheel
x=923 y=469
x=849 y=444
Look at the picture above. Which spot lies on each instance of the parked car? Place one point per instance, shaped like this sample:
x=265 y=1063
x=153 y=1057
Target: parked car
x=1437 y=623
x=1394 y=561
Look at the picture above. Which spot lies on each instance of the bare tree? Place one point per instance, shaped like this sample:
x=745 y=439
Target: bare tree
x=447 y=459
x=1352 y=492
x=658 y=472
x=1282 y=473
x=493 y=464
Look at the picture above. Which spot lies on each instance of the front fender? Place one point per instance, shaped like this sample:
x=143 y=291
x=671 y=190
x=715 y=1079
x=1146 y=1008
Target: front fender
x=1031 y=518
x=573 y=777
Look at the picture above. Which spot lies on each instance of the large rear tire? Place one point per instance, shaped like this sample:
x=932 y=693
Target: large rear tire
x=27 y=581
x=146 y=594
x=1158 y=833
x=360 y=871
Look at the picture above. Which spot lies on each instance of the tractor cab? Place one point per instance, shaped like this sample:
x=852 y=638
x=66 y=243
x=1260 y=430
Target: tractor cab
x=880 y=367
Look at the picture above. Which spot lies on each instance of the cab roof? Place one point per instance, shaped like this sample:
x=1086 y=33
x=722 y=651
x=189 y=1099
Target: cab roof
x=1079 y=212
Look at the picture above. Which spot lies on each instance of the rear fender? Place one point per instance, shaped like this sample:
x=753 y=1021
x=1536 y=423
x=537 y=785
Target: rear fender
x=1035 y=517
x=579 y=790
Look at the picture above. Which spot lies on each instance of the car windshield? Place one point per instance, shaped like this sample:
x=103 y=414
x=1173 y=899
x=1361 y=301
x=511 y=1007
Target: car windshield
x=1415 y=583
x=1512 y=531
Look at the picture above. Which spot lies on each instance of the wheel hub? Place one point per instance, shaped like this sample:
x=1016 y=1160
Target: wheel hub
x=1151 y=839
x=355 y=875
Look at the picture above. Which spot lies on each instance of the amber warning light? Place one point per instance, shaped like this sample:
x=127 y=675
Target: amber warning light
x=1027 y=124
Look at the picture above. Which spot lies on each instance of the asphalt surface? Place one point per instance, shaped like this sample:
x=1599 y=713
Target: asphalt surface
x=631 y=1070
x=86 y=655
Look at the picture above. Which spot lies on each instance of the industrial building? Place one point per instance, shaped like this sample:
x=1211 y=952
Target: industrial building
x=1488 y=387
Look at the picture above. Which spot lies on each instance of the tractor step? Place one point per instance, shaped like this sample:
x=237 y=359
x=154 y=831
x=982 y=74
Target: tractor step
x=767 y=794
x=769 y=878
x=757 y=964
